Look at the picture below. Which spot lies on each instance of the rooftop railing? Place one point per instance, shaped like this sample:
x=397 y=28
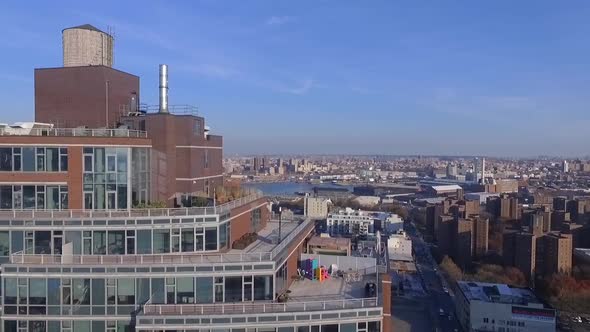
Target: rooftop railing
x=255 y=308
x=130 y=213
x=173 y=109
x=75 y=132
x=174 y=258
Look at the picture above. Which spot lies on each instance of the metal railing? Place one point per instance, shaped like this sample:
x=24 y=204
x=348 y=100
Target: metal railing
x=289 y=238
x=174 y=258
x=256 y=307
x=173 y=109
x=76 y=132
x=130 y=213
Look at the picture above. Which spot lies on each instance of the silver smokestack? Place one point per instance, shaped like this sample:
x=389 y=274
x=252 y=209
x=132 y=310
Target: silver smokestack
x=163 y=88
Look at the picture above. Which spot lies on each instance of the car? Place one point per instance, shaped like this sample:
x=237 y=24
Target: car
x=446 y=290
x=441 y=312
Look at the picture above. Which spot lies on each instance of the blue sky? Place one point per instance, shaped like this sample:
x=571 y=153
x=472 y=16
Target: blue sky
x=508 y=78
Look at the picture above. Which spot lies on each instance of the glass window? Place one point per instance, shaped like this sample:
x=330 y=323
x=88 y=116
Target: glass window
x=40 y=159
x=43 y=242
x=75 y=238
x=98 y=326
x=52 y=197
x=121 y=196
x=88 y=200
x=52 y=159
x=204 y=289
x=185 y=290
x=99 y=242
x=222 y=235
x=330 y=328
x=158 y=291
x=53 y=287
x=98 y=294
x=144 y=241
x=6 y=159
x=4 y=243
x=143 y=290
x=99 y=197
x=81 y=326
x=6 y=197
x=188 y=239
x=161 y=241
x=80 y=291
x=37 y=291
x=116 y=242
x=88 y=165
x=29 y=197
x=126 y=291
x=374 y=327
x=28 y=157
x=122 y=160
x=233 y=289
x=17 y=241
x=99 y=160
x=350 y=327
x=111 y=163
x=63 y=159
x=263 y=288
x=210 y=238
x=10 y=290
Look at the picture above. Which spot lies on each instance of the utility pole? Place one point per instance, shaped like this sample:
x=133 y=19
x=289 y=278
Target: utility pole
x=280 y=221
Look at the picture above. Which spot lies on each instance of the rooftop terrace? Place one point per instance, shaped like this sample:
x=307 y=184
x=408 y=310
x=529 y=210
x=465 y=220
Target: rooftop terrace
x=34 y=129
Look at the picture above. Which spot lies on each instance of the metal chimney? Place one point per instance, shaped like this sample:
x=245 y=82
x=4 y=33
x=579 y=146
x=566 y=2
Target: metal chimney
x=163 y=88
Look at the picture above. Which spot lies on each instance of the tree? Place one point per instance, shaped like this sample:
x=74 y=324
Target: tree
x=451 y=269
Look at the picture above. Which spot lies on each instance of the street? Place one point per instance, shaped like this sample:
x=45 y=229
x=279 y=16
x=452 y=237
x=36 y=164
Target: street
x=438 y=292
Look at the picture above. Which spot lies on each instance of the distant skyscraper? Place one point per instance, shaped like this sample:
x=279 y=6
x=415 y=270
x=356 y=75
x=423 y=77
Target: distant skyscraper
x=483 y=170
x=476 y=169
x=565 y=166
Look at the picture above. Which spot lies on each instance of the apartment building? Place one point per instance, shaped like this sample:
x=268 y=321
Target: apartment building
x=82 y=250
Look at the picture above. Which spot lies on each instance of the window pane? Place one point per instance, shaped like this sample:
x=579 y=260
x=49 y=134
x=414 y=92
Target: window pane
x=88 y=164
x=126 y=291
x=99 y=243
x=75 y=238
x=157 y=291
x=6 y=197
x=210 y=238
x=98 y=295
x=52 y=197
x=111 y=163
x=28 y=197
x=37 y=291
x=262 y=288
x=28 y=157
x=6 y=159
x=80 y=291
x=122 y=160
x=144 y=241
x=233 y=289
x=53 y=287
x=4 y=243
x=17 y=241
x=121 y=197
x=188 y=239
x=143 y=290
x=52 y=159
x=185 y=292
x=204 y=287
x=81 y=326
x=99 y=160
x=43 y=242
x=116 y=242
x=99 y=197
x=161 y=241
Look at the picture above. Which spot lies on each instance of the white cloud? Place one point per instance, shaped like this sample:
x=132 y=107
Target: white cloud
x=279 y=20
x=300 y=89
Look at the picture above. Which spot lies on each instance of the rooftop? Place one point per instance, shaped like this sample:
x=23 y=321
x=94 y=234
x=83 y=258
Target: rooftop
x=86 y=27
x=45 y=129
x=498 y=293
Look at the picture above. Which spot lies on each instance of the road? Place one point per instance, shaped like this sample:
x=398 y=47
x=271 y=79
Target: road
x=434 y=284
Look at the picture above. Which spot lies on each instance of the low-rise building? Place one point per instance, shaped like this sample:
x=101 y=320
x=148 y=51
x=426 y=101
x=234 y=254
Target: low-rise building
x=501 y=308
x=399 y=247
x=316 y=207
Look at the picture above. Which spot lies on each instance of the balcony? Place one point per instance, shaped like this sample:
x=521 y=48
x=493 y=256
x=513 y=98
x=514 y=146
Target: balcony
x=72 y=132
x=264 y=249
x=129 y=213
x=255 y=307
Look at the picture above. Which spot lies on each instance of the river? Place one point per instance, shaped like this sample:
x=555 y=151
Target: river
x=290 y=188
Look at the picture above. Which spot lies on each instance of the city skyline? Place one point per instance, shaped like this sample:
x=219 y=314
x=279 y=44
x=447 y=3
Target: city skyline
x=493 y=79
